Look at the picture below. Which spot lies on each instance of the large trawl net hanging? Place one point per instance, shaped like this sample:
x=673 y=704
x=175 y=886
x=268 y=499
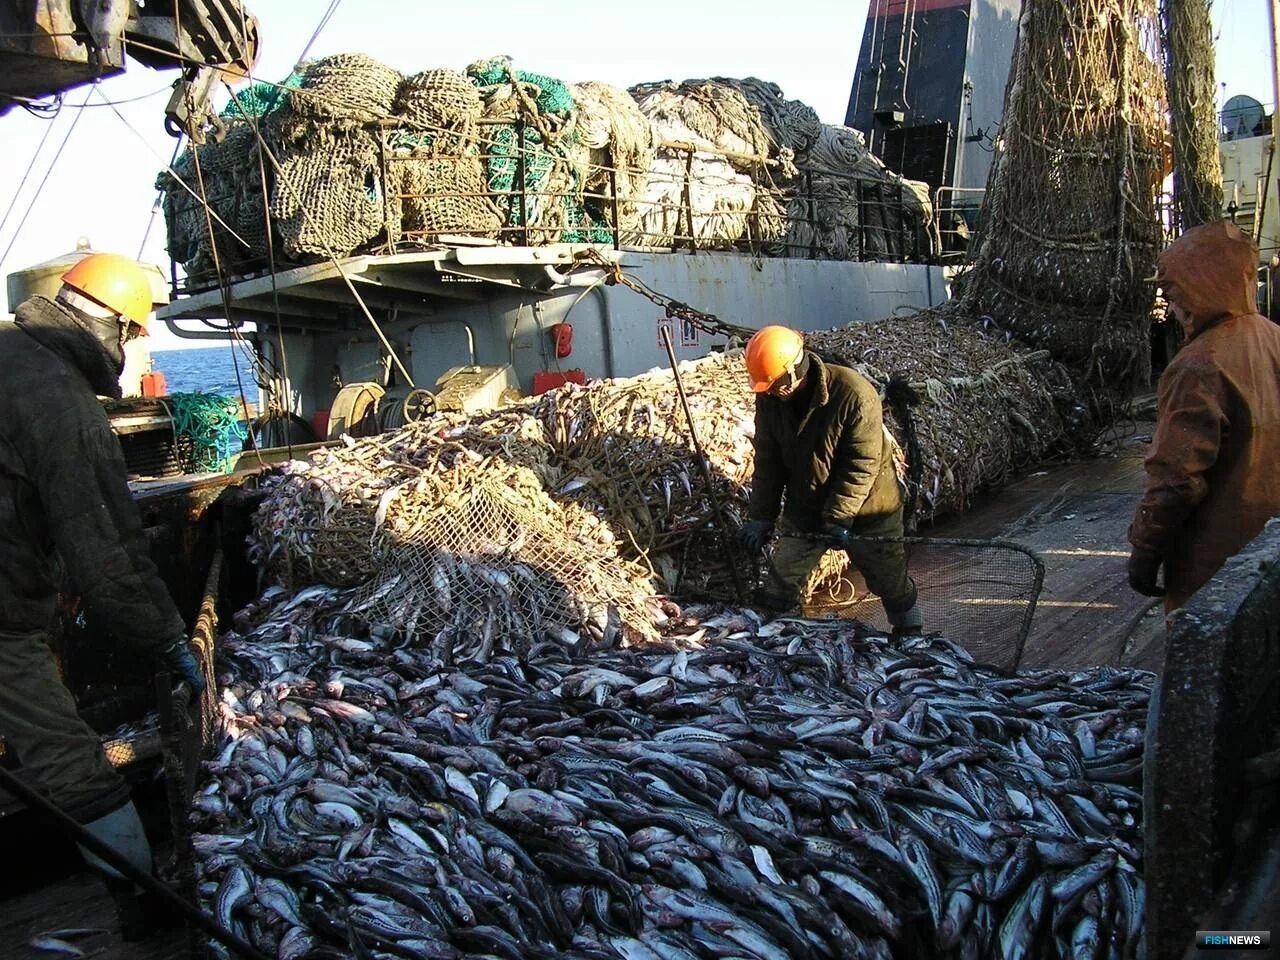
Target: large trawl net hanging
x=1070 y=222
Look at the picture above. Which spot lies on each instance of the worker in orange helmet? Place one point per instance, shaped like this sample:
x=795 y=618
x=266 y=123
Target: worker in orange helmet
x=1213 y=473
x=66 y=511
x=820 y=440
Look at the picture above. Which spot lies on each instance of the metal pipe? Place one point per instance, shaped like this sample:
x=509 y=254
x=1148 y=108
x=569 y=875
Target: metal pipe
x=118 y=862
x=704 y=466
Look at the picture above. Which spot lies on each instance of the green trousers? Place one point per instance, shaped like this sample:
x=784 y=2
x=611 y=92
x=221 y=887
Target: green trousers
x=882 y=565
x=38 y=720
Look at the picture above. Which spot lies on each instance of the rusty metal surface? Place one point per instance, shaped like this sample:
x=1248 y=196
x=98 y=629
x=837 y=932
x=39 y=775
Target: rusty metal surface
x=1220 y=706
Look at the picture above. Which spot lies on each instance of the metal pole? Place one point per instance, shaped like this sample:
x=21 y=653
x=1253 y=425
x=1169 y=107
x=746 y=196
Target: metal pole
x=145 y=880
x=705 y=467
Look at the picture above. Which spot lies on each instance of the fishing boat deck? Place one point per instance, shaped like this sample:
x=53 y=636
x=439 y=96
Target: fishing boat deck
x=78 y=901
x=1075 y=517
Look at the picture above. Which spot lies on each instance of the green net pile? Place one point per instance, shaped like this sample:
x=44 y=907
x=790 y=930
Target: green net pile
x=553 y=161
x=212 y=424
x=261 y=99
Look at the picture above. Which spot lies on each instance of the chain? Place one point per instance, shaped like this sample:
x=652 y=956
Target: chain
x=708 y=323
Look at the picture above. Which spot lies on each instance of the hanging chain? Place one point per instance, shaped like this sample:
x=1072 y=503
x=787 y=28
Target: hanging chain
x=708 y=323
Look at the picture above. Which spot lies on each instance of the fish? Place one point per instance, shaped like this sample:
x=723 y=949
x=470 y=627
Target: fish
x=694 y=797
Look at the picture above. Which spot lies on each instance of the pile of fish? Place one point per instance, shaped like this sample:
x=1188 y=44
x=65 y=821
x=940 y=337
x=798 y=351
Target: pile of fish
x=602 y=479
x=789 y=789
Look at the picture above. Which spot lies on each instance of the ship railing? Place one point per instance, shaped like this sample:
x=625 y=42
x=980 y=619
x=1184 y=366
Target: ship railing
x=792 y=212
x=880 y=218
x=958 y=214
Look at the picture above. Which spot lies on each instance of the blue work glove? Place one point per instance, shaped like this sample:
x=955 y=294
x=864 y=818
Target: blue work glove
x=837 y=535
x=755 y=535
x=176 y=657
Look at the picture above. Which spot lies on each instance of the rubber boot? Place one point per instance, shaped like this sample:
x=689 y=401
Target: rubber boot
x=122 y=830
x=907 y=623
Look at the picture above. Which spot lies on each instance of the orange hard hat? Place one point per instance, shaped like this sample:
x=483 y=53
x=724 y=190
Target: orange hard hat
x=770 y=353
x=114 y=281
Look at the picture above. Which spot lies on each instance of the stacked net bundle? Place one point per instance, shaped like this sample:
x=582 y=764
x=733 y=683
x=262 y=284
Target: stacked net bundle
x=231 y=176
x=844 y=204
x=329 y=197
x=535 y=129
x=968 y=409
x=714 y=189
x=434 y=163
x=792 y=124
x=619 y=141
x=1070 y=223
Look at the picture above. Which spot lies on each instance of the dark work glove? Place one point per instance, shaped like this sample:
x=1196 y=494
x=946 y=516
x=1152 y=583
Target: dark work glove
x=755 y=535
x=837 y=535
x=1143 y=568
x=176 y=657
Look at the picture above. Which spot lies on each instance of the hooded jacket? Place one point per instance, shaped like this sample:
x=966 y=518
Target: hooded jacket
x=829 y=455
x=1213 y=474
x=65 y=504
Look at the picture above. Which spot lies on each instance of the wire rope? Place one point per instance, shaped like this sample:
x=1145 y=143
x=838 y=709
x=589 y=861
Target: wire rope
x=30 y=167
x=324 y=22
x=40 y=189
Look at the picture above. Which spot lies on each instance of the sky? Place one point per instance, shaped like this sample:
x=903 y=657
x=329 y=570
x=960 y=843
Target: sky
x=103 y=184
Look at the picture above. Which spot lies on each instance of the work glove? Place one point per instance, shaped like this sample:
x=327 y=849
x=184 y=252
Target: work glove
x=176 y=657
x=1143 y=568
x=837 y=535
x=755 y=535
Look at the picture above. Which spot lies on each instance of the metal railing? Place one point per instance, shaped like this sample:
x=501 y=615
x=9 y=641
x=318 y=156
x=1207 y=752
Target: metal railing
x=816 y=215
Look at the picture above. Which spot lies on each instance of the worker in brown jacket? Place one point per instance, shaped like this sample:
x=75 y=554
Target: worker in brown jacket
x=1213 y=474
x=820 y=440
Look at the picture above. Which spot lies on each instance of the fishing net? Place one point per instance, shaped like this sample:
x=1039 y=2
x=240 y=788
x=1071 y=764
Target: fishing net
x=533 y=124
x=330 y=199
x=232 y=182
x=214 y=426
x=452 y=533
x=1197 y=158
x=969 y=409
x=260 y=99
x=345 y=90
x=619 y=141
x=1071 y=230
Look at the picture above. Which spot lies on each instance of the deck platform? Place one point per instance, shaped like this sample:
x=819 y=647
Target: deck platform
x=1074 y=515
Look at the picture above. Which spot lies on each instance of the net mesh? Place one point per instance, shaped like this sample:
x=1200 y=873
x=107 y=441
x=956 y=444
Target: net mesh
x=1197 y=159
x=492 y=564
x=1071 y=230
x=984 y=593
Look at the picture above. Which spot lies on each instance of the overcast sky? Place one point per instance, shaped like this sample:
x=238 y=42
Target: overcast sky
x=102 y=186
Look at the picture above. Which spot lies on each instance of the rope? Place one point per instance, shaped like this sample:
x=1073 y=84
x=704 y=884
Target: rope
x=40 y=189
x=211 y=422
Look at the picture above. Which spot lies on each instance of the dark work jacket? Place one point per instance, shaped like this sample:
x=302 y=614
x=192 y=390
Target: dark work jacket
x=64 y=500
x=831 y=457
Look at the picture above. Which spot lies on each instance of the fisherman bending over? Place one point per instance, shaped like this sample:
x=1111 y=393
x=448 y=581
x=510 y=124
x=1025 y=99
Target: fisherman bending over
x=65 y=507
x=820 y=437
